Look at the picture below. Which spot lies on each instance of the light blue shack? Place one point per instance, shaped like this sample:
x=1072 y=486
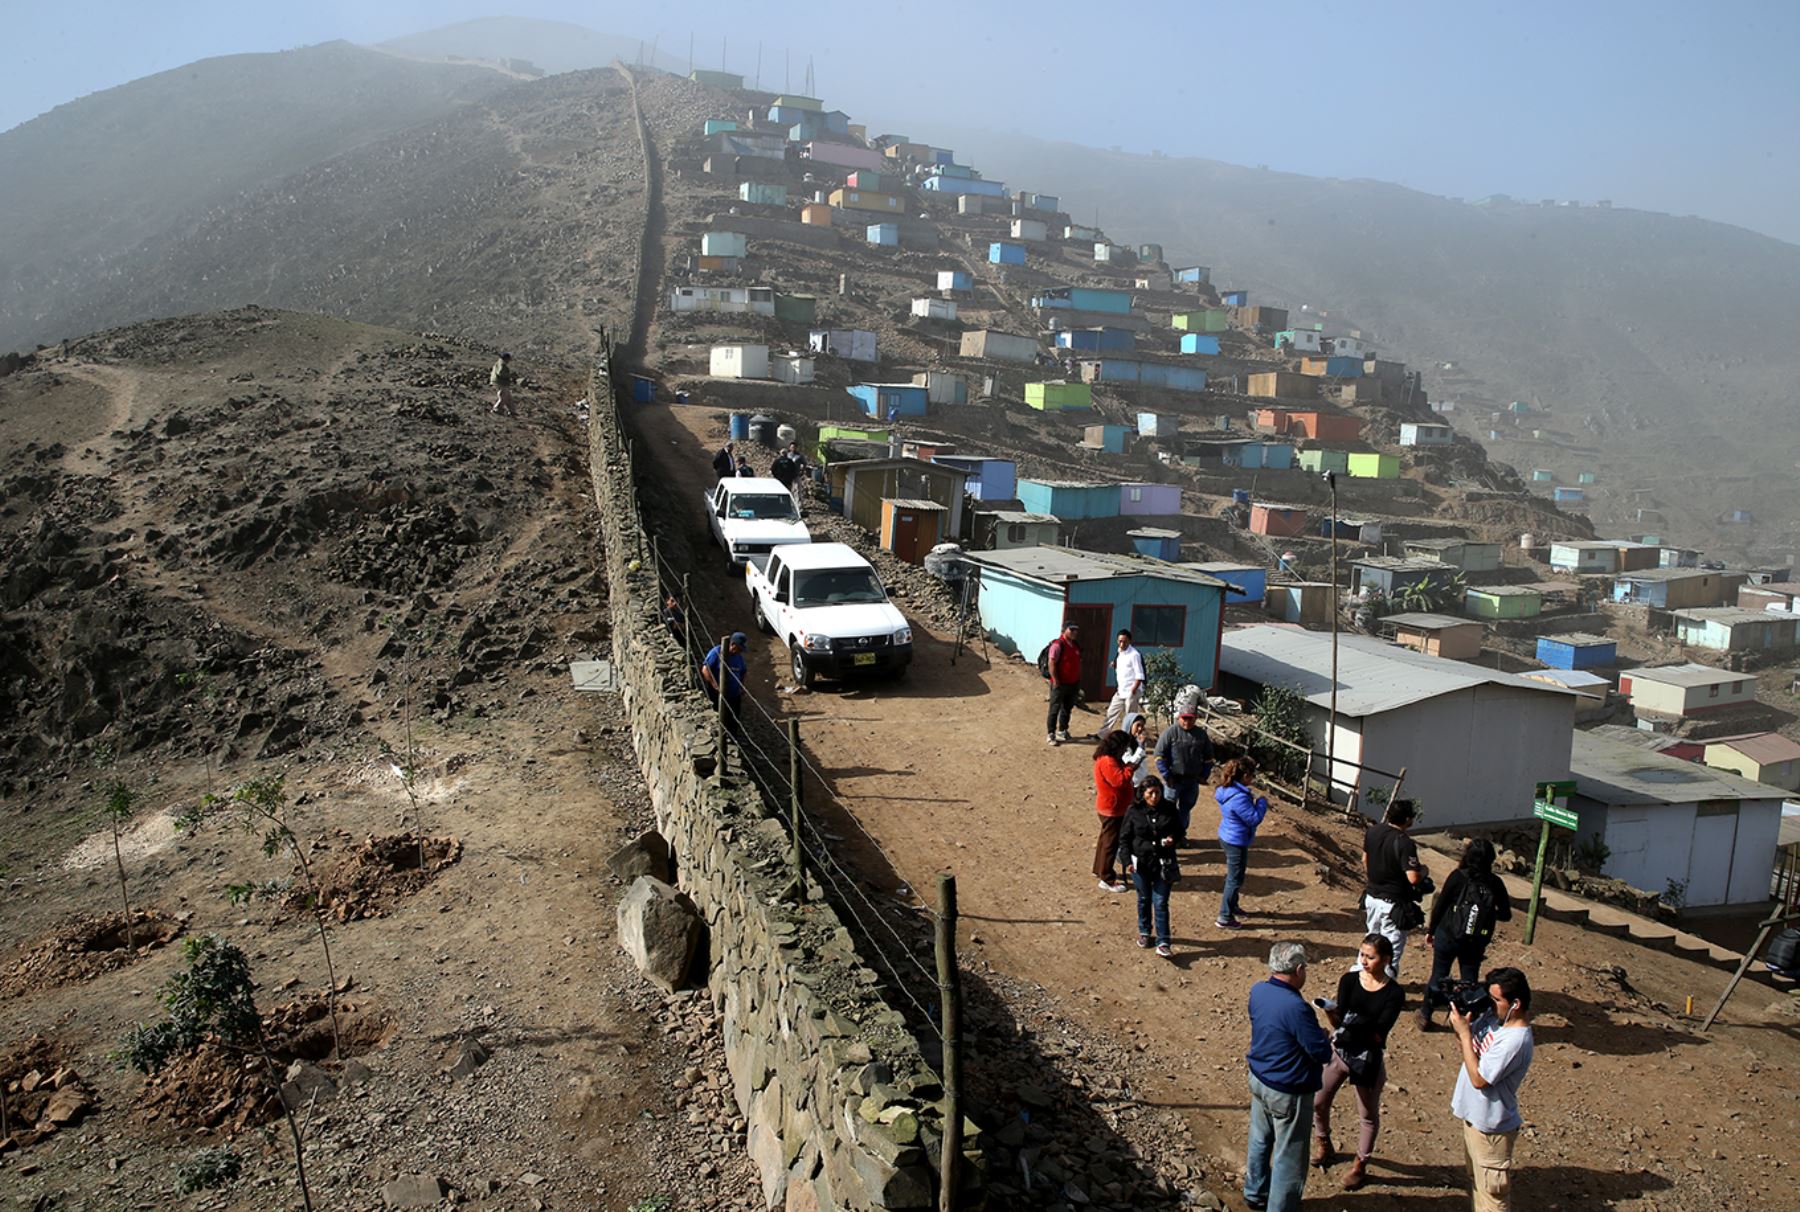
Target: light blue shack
x=1085 y=298
x=763 y=193
x=1002 y=253
x=1271 y=456
x=1096 y=340
x=1109 y=438
x=716 y=126
x=1567 y=495
x=1155 y=542
x=963 y=185
x=1070 y=500
x=1577 y=650
x=1235 y=298
x=1342 y=366
x=1246 y=584
x=1029 y=592
x=885 y=234
x=1206 y=343
x=1145 y=498
x=990 y=479
x=1197 y=275
x=1144 y=374
x=884 y=401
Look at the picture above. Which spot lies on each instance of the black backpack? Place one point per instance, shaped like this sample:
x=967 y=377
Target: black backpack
x=1044 y=662
x=1783 y=954
x=1473 y=916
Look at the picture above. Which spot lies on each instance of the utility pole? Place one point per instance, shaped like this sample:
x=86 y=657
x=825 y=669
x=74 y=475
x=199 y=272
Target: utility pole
x=787 y=69
x=690 y=52
x=1331 y=725
x=759 y=67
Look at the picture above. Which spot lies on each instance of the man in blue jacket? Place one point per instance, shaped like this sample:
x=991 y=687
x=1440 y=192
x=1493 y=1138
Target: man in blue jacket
x=1288 y=1053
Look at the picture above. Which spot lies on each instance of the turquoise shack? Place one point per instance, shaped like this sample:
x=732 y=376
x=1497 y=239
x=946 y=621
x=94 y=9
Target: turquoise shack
x=1028 y=593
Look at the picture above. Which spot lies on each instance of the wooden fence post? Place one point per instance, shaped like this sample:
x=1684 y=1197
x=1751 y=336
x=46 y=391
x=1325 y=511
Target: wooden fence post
x=950 y=997
x=797 y=888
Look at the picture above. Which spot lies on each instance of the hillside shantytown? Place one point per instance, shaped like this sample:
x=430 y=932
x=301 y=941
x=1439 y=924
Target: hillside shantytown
x=915 y=701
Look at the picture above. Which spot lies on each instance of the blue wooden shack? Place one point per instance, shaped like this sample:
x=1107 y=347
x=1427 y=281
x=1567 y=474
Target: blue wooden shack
x=1085 y=298
x=1108 y=438
x=1235 y=298
x=1002 y=253
x=1567 y=495
x=1070 y=500
x=1155 y=542
x=1342 y=366
x=1194 y=274
x=1246 y=584
x=885 y=234
x=963 y=185
x=1096 y=340
x=990 y=479
x=1577 y=650
x=1144 y=374
x=1256 y=453
x=885 y=401
x=1200 y=343
x=1028 y=593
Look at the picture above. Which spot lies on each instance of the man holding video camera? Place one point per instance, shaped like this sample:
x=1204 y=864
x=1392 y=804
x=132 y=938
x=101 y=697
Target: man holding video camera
x=1493 y=1032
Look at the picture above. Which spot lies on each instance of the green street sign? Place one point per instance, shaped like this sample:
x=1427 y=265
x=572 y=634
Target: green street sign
x=1556 y=814
x=1560 y=789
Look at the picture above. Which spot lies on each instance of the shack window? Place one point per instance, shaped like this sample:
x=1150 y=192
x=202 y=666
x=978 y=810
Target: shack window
x=1015 y=532
x=1158 y=626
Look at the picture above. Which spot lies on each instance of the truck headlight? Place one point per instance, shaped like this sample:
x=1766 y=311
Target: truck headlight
x=903 y=636
x=816 y=643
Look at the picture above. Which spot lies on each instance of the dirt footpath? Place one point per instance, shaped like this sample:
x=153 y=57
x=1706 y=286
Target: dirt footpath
x=1626 y=1106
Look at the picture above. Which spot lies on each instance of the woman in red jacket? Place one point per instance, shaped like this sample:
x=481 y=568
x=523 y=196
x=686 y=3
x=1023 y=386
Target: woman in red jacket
x=1112 y=796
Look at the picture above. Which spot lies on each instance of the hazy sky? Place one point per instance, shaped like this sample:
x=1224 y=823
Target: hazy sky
x=1679 y=107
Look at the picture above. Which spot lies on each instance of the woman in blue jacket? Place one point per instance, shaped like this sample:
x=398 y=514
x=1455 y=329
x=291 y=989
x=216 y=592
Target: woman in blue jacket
x=1240 y=812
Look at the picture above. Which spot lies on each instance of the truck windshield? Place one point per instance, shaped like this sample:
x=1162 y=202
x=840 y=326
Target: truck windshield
x=836 y=587
x=762 y=506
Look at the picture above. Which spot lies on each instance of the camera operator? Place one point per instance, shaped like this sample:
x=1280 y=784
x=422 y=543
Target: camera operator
x=1496 y=1052
x=1397 y=881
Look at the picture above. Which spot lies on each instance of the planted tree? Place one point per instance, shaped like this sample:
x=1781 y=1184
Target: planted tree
x=212 y=1001
x=1163 y=680
x=1280 y=714
x=414 y=643
x=117 y=806
x=261 y=804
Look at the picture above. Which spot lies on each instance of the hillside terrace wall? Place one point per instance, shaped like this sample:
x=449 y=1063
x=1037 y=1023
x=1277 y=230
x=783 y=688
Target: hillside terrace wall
x=842 y=1108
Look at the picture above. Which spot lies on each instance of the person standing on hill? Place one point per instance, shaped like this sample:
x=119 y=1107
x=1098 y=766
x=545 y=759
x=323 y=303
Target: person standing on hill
x=1184 y=756
x=1128 y=669
x=1112 y=796
x=1148 y=841
x=725 y=670
x=1391 y=863
x=1366 y=1008
x=1241 y=811
x=789 y=469
x=1288 y=1054
x=724 y=462
x=1064 y=671
x=502 y=378
x=1462 y=923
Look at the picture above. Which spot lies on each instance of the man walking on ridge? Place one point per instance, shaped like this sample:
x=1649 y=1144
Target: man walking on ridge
x=1064 y=671
x=1128 y=669
x=503 y=377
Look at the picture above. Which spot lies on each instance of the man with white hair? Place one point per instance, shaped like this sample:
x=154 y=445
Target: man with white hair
x=1288 y=1054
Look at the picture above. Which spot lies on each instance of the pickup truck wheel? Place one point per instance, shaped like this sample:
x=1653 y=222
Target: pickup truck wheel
x=803 y=677
x=762 y=622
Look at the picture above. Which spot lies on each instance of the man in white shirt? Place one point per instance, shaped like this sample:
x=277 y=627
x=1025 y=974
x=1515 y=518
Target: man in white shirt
x=1129 y=697
x=1496 y=1052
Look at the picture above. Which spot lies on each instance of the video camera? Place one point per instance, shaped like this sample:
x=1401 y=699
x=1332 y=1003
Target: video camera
x=1471 y=999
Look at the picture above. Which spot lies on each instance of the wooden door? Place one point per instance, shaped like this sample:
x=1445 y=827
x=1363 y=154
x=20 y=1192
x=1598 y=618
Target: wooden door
x=1097 y=647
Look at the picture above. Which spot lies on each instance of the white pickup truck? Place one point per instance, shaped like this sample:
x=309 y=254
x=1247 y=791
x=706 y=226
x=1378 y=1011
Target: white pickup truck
x=827 y=605
x=750 y=516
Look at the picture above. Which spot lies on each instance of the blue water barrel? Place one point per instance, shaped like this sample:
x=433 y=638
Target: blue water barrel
x=1240 y=496
x=643 y=390
x=740 y=426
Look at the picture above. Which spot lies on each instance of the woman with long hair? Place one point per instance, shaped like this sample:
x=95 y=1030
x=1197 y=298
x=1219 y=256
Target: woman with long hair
x=1462 y=923
x=1240 y=812
x=1367 y=1007
x=1149 y=839
x=1112 y=796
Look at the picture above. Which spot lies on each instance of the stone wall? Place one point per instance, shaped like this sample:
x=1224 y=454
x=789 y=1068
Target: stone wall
x=843 y=1110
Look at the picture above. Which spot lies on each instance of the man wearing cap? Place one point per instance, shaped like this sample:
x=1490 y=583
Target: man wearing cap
x=1287 y=1059
x=1065 y=683
x=735 y=669
x=1184 y=755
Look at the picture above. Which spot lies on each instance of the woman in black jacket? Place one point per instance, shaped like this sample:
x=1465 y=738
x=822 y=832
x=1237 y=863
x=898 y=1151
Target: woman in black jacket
x=1148 y=838
x=1462 y=924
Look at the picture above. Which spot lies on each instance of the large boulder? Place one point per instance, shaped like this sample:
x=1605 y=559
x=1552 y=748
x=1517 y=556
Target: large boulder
x=660 y=929
x=646 y=854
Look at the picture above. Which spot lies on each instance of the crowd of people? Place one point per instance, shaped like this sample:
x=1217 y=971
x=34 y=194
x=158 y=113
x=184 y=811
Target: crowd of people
x=1146 y=791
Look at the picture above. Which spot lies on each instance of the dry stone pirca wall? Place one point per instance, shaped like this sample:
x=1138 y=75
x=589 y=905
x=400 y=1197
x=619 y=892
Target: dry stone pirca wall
x=843 y=1111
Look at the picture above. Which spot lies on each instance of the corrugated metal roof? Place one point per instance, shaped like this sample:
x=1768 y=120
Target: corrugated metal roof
x=1625 y=734
x=1689 y=674
x=1373 y=675
x=1069 y=483
x=1153 y=532
x=1423 y=621
x=1578 y=680
x=1668 y=574
x=1061 y=565
x=1506 y=591
x=1399 y=564
x=903 y=503
x=1014 y=517
x=1613 y=773
x=1763 y=748
x=1223 y=566
x=1579 y=639
x=1730 y=615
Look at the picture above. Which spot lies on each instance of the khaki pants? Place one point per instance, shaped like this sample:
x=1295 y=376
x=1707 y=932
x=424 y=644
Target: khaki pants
x=1490 y=1167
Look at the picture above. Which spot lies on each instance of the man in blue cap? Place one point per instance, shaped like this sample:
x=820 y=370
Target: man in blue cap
x=735 y=667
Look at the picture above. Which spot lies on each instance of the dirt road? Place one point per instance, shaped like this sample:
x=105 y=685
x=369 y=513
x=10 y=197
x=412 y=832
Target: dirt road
x=1626 y=1105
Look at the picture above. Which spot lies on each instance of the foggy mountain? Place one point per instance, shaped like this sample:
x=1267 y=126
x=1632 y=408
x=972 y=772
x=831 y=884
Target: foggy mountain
x=553 y=46
x=1667 y=339
x=91 y=181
